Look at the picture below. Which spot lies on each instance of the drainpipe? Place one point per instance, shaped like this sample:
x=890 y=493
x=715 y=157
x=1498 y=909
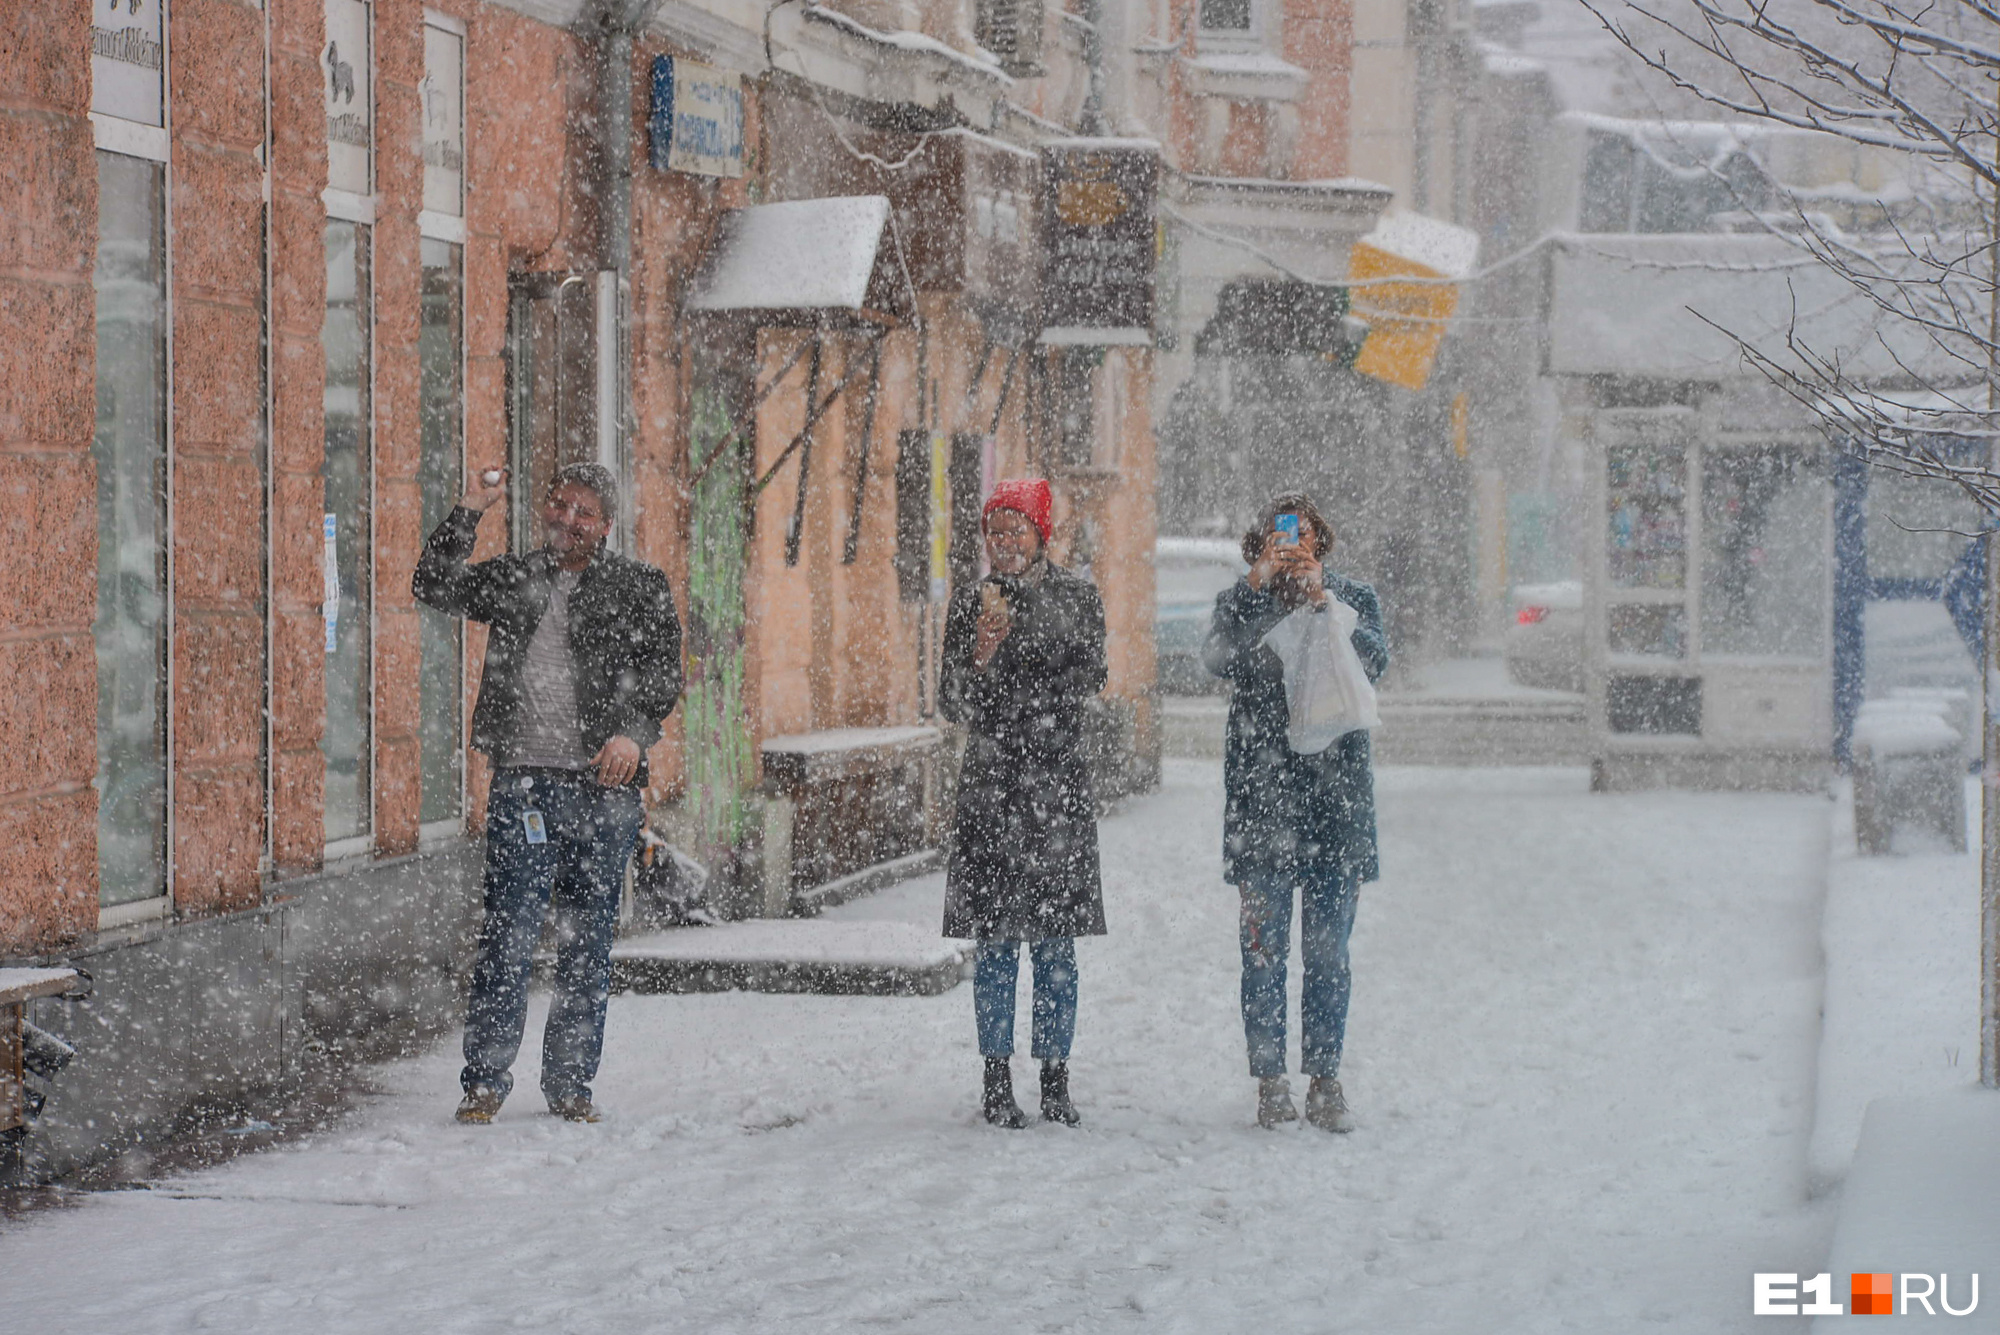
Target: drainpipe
x=1091 y=122
x=617 y=24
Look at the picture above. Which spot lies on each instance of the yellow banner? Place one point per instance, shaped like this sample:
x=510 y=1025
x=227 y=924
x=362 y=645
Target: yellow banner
x=940 y=516
x=1406 y=321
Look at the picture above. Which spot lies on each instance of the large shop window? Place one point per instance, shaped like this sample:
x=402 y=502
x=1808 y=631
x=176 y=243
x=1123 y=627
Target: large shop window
x=346 y=476
x=1763 y=563
x=129 y=449
x=440 y=480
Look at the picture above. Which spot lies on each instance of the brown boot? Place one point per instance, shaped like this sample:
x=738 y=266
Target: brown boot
x=1274 y=1102
x=1326 y=1106
x=479 y=1106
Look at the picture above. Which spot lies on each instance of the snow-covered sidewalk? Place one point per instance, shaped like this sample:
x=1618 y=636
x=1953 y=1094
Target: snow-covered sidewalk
x=1581 y=1059
x=1901 y=1121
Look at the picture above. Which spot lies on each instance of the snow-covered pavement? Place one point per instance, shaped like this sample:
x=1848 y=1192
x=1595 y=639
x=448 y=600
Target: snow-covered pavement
x=1581 y=1059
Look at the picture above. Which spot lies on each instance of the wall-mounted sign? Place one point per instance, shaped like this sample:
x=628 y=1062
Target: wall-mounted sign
x=696 y=121
x=127 y=63
x=347 y=79
x=329 y=572
x=443 y=96
x=1100 y=241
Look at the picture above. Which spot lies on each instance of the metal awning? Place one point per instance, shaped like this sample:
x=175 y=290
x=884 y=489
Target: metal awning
x=804 y=262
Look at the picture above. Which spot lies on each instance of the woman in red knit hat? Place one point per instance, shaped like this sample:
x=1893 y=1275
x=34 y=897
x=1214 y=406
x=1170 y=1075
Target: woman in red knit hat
x=1023 y=651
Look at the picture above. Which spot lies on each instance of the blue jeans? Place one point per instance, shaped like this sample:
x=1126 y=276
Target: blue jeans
x=1052 y=1020
x=1326 y=917
x=580 y=869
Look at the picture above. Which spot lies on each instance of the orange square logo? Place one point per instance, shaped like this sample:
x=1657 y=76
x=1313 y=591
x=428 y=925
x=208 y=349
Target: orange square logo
x=1872 y=1295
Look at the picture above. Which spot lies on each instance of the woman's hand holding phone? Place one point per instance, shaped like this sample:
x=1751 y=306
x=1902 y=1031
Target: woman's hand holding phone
x=1287 y=569
x=996 y=619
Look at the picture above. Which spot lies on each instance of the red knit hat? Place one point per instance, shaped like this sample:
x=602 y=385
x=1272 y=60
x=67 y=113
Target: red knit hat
x=1027 y=495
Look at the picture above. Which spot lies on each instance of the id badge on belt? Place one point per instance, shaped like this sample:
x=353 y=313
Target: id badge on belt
x=537 y=828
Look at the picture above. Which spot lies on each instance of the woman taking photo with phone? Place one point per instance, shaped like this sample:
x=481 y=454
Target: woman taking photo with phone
x=1299 y=820
x=1023 y=651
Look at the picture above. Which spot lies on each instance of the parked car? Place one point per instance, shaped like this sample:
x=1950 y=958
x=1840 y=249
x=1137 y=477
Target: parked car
x=1188 y=574
x=1544 y=646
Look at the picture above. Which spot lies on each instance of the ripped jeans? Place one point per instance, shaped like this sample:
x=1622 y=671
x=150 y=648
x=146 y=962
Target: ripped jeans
x=1326 y=918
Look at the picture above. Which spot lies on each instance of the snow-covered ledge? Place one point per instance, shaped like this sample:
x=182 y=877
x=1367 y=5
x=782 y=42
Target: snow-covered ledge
x=1245 y=76
x=839 y=52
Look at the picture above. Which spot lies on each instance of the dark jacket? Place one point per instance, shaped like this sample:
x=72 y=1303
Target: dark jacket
x=1286 y=814
x=1023 y=860
x=624 y=638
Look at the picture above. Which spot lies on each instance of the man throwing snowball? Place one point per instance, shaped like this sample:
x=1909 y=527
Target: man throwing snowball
x=583 y=662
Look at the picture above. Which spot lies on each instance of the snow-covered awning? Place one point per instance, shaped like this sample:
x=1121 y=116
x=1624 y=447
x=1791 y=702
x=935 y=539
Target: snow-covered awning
x=803 y=261
x=1671 y=307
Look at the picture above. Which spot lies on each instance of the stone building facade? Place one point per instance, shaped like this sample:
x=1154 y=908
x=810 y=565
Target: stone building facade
x=276 y=277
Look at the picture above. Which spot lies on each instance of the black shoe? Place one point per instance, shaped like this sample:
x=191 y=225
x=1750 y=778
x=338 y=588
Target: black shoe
x=997 y=1105
x=1056 y=1106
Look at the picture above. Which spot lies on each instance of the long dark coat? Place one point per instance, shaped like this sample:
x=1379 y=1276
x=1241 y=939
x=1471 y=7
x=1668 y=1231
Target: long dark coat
x=1024 y=846
x=624 y=636
x=1286 y=814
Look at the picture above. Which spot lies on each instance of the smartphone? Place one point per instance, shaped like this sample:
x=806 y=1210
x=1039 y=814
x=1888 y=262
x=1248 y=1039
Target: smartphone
x=1287 y=529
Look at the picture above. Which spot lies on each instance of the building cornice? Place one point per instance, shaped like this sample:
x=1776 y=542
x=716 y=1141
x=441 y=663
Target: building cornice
x=1347 y=204
x=1245 y=76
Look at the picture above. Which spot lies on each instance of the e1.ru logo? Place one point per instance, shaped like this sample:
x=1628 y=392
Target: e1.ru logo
x=1867 y=1295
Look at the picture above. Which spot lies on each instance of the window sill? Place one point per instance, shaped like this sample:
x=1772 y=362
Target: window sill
x=124 y=915
x=1244 y=72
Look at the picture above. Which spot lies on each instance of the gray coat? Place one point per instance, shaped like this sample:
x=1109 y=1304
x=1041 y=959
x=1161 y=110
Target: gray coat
x=1023 y=860
x=1286 y=814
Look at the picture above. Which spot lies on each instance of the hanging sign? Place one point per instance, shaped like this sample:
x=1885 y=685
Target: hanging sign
x=696 y=121
x=1407 y=321
x=1099 y=238
x=127 y=63
x=443 y=97
x=940 y=517
x=347 y=80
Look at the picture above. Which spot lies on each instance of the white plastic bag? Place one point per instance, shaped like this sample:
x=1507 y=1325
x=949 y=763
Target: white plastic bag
x=1326 y=689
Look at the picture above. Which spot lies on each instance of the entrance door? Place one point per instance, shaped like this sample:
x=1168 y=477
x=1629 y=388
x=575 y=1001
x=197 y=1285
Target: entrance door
x=562 y=389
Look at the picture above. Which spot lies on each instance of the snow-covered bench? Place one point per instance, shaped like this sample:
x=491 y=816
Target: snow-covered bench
x=1909 y=765
x=847 y=810
x=21 y=1045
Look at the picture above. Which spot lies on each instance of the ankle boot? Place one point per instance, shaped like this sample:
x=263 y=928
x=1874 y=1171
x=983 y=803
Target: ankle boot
x=1056 y=1106
x=1326 y=1106
x=997 y=1104
x=1274 y=1102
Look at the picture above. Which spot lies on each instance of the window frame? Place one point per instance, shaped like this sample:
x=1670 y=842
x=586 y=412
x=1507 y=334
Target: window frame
x=430 y=832
x=152 y=143
x=450 y=229
x=1252 y=36
x=346 y=206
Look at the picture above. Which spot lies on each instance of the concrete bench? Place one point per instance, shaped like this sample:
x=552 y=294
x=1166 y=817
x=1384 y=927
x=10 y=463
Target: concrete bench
x=846 y=811
x=1909 y=766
